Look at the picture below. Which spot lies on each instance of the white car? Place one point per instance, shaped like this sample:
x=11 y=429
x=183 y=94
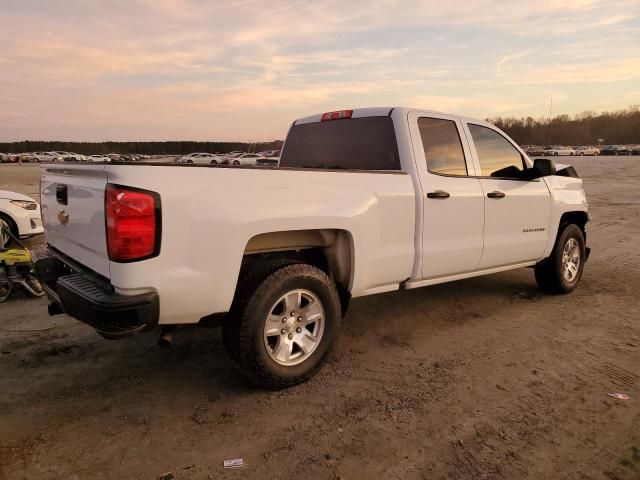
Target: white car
x=200 y=159
x=98 y=158
x=587 y=151
x=556 y=151
x=365 y=201
x=20 y=215
x=42 y=157
x=244 y=159
x=70 y=157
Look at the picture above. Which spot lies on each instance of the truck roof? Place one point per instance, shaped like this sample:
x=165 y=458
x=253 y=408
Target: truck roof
x=384 y=111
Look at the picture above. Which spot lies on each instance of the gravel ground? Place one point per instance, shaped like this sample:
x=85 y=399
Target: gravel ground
x=484 y=378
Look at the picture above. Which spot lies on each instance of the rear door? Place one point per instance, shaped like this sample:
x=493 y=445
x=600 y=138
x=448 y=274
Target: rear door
x=452 y=202
x=73 y=212
x=516 y=211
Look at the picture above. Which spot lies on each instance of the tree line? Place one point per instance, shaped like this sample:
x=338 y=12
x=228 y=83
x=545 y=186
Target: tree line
x=586 y=128
x=143 y=148
x=619 y=127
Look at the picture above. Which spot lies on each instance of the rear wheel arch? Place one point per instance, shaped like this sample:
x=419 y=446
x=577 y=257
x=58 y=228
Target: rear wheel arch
x=331 y=250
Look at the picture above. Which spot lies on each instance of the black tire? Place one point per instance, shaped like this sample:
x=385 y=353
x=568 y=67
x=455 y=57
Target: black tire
x=249 y=280
x=549 y=272
x=254 y=307
x=236 y=163
x=13 y=228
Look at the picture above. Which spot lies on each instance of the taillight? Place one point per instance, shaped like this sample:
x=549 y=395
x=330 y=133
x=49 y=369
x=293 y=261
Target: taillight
x=133 y=223
x=339 y=115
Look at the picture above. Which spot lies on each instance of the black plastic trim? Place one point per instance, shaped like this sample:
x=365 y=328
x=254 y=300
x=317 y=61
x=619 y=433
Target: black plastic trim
x=92 y=300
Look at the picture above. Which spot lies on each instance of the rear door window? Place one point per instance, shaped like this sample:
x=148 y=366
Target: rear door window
x=442 y=146
x=367 y=143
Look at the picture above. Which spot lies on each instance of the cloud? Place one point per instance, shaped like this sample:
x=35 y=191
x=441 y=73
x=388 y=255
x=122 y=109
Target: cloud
x=510 y=58
x=200 y=68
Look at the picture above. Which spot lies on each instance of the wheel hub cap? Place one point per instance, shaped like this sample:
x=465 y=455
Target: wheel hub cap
x=570 y=260
x=294 y=327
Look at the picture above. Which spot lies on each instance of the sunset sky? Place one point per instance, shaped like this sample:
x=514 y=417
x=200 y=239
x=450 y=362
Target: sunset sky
x=243 y=70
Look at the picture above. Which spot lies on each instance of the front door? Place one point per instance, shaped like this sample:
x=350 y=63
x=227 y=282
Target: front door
x=517 y=211
x=452 y=198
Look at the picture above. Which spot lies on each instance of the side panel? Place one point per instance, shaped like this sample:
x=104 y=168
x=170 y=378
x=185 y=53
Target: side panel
x=209 y=215
x=567 y=195
x=452 y=228
x=517 y=226
x=516 y=212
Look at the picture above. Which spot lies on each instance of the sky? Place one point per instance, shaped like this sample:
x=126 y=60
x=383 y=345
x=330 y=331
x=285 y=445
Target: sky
x=243 y=70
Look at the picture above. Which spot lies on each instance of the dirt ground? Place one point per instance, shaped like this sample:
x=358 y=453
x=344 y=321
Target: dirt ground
x=479 y=379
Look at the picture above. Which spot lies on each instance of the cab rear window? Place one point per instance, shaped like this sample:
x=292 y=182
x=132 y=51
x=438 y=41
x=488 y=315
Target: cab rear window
x=367 y=143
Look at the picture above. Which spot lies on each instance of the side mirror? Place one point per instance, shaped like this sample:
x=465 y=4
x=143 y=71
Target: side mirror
x=542 y=167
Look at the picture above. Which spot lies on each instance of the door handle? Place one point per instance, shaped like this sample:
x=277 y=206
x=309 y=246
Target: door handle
x=496 y=194
x=438 y=194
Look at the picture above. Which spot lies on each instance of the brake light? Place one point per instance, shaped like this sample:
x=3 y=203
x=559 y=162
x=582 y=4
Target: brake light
x=339 y=115
x=132 y=223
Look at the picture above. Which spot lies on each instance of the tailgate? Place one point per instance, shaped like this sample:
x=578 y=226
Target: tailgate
x=72 y=198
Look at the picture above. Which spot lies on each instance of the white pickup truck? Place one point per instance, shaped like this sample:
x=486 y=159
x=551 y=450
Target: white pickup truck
x=363 y=201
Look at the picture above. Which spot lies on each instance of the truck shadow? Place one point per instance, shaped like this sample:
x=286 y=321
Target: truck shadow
x=197 y=364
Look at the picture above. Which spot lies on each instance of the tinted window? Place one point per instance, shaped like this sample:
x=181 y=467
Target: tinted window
x=356 y=144
x=498 y=158
x=442 y=146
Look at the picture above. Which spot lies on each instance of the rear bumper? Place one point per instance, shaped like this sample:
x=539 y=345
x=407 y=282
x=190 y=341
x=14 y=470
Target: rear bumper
x=92 y=300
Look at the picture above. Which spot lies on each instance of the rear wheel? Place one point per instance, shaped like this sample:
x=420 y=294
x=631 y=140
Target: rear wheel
x=236 y=162
x=286 y=327
x=561 y=272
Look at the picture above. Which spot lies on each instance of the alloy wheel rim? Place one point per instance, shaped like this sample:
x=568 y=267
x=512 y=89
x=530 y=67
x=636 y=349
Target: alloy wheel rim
x=294 y=327
x=4 y=233
x=571 y=260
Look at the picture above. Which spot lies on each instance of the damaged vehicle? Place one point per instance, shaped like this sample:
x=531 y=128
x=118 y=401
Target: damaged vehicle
x=362 y=202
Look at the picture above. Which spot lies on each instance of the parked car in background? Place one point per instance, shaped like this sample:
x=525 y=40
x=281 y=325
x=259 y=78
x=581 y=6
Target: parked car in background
x=5 y=158
x=559 y=150
x=197 y=158
x=615 y=150
x=201 y=159
x=635 y=150
x=535 y=151
x=98 y=158
x=20 y=215
x=270 y=153
x=587 y=150
x=268 y=161
x=246 y=159
x=46 y=157
x=70 y=156
x=23 y=157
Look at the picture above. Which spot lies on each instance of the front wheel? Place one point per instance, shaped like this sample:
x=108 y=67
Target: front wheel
x=286 y=327
x=561 y=272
